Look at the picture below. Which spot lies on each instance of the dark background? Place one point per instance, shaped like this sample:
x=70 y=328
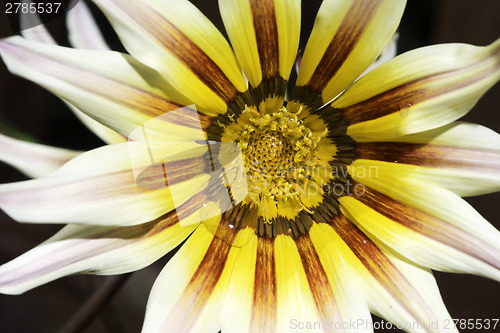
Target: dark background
x=29 y=109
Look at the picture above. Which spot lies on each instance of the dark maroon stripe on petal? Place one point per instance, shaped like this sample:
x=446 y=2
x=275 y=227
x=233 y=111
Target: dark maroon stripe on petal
x=182 y=47
x=376 y=262
x=365 y=249
x=169 y=173
x=205 y=279
x=356 y=21
x=265 y=292
x=430 y=155
x=266 y=33
x=409 y=94
x=318 y=280
x=429 y=226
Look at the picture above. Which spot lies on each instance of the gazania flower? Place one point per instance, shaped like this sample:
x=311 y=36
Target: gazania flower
x=352 y=187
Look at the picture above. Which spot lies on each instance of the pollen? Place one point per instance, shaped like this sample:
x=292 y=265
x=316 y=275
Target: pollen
x=284 y=172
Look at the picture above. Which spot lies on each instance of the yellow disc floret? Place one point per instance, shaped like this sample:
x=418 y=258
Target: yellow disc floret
x=284 y=171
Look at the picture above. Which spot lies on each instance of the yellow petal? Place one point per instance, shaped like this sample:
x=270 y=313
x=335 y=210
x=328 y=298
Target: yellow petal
x=295 y=300
x=464 y=158
x=251 y=294
x=347 y=37
x=265 y=36
x=394 y=289
x=188 y=295
x=423 y=237
x=419 y=90
x=177 y=40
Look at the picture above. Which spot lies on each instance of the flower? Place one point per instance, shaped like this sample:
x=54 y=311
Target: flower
x=363 y=201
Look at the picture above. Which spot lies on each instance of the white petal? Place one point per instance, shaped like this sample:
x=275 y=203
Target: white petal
x=83 y=32
x=97 y=187
x=37 y=32
x=32 y=159
x=112 y=88
x=92 y=249
x=79 y=23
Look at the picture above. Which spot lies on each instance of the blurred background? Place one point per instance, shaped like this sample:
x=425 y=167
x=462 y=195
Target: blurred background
x=34 y=114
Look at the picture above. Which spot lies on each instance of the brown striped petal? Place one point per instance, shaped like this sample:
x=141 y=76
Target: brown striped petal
x=462 y=157
x=395 y=289
x=424 y=235
x=97 y=187
x=295 y=300
x=215 y=171
x=252 y=292
x=419 y=90
x=90 y=38
x=265 y=36
x=111 y=87
x=177 y=40
x=318 y=281
x=278 y=285
x=344 y=299
x=188 y=294
x=97 y=250
x=347 y=37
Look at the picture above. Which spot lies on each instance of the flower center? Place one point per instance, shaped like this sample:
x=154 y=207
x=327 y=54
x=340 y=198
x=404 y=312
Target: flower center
x=285 y=175
x=268 y=153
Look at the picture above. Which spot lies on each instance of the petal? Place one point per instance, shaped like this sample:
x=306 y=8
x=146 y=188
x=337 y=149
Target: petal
x=177 y=40
x=265 y=37
x=419 y=228
x=112 y=88
x=222 y=185
x=332 y=283
x=83 y=32
x=105 y=133
x=419 y=90
x=92 y=249
x=388 y=52
x=394 y=289
x=37 y=30
x=189 y=292
x=347 y=37
x=281 y=285
x=462 y=157
x=426 y=197
x=295 y=300
x=97 y=187
x=33 y=159
x=78 y=17
x=251 y=293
